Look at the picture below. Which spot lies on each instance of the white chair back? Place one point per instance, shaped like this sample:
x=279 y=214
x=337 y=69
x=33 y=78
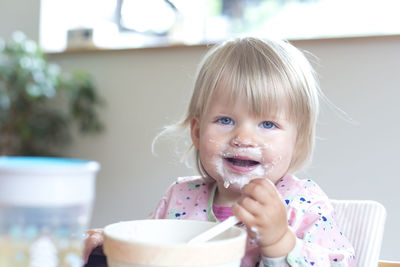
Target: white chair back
x=362 y=222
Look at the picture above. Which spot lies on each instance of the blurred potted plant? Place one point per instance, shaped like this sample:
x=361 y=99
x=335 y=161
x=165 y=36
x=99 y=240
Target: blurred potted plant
x=39 y=104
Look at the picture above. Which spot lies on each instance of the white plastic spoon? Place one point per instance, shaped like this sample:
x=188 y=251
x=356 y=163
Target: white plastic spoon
x=215 y=230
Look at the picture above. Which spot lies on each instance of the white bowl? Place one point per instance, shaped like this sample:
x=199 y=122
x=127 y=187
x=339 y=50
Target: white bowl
x=154 y=243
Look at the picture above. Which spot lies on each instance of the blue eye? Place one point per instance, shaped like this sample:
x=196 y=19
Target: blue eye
x=267 y=125
x=225 y=121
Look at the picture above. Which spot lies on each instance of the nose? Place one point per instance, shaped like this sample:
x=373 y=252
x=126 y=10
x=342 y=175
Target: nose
x=243 y=137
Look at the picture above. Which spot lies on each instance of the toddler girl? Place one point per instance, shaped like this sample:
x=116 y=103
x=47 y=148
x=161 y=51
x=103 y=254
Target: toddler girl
x=252 y=120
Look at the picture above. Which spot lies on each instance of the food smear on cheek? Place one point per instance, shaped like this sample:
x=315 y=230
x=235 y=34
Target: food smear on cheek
x=241 y=179
x=261 y=170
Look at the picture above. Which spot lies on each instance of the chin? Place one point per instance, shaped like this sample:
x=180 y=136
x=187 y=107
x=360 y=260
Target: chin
x=235 y=183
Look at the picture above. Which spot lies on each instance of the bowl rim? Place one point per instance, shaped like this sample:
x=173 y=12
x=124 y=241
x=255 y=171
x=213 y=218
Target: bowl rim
x=242 y=234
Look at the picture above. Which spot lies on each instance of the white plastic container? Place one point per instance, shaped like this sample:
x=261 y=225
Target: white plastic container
x=45 y=208
x=156 y=243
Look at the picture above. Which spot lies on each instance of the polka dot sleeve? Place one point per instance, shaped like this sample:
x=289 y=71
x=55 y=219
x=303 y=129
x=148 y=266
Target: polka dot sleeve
x=311 y=216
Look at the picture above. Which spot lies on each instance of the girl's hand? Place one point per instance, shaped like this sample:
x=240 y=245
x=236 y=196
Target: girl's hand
x=93 y=240
x=261 y=209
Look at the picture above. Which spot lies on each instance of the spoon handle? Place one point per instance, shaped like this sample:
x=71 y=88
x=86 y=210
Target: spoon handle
x=215 y=230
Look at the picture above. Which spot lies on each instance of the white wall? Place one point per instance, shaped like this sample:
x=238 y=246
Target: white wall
x=19 y=15
x=149 y=88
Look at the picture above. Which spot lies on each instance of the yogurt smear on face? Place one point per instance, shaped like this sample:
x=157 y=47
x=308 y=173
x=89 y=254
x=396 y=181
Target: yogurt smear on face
x=240 y=165
x=230 y=176
x=241 y=179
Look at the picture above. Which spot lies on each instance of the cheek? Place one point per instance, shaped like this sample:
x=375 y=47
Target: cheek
x=211 y=147
x=210 y=142
x=210 y=158
x=206 y=150
x=279 y=153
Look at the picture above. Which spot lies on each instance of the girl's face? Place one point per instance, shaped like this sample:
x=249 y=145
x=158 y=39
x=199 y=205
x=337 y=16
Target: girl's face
x=235 y=146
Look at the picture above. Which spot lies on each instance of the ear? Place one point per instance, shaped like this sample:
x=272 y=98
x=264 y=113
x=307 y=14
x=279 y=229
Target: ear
x=195 y=132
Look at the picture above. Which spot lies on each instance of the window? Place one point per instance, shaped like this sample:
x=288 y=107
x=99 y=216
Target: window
x=114 y=24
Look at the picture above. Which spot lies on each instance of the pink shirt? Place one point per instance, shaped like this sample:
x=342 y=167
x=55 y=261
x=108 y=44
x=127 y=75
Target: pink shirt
x=309 y=212
x=221 y=213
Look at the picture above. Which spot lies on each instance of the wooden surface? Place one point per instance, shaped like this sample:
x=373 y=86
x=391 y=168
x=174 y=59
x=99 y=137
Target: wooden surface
x=389 y=264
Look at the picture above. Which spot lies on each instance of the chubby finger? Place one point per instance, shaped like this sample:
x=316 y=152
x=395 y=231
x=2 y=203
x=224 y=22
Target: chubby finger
x=242 y=214
x=246 y=218
x=94 y=240
x=261 y=190
x=94 y=231
x=251 y=205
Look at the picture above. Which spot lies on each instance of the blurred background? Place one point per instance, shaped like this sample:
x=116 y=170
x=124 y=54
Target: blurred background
x=142 y=57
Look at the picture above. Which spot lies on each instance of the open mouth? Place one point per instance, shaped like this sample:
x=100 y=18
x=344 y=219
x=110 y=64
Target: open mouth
x=242 y=162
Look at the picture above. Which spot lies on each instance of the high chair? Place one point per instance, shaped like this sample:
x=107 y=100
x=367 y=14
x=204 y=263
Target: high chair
x=363 y=223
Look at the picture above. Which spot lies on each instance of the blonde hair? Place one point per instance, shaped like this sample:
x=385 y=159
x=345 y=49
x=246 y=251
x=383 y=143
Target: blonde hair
x=274 y=76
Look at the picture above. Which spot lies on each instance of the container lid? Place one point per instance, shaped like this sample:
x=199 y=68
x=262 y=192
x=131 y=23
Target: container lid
x=38 y=181
x=46 y=164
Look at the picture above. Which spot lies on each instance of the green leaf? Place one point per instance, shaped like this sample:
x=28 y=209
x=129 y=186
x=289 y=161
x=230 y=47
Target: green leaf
x=39 y=103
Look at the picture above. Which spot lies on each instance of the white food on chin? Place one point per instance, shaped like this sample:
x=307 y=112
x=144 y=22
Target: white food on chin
x=241 y=179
